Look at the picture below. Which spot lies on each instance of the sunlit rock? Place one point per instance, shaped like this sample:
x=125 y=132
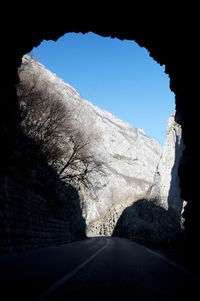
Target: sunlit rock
x=166 y=184
x=129 y=157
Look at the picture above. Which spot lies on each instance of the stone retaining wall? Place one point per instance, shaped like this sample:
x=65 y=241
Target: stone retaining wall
x=26 y=221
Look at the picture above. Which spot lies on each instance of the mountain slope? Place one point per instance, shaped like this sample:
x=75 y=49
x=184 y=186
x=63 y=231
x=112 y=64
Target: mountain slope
x=129 y=158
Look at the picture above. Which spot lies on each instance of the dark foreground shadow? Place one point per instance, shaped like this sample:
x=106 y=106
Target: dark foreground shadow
x=147 y=223
x=36 y=207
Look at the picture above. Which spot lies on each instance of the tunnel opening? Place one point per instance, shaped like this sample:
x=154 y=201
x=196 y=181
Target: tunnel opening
x=165 y=45
x=103 y=200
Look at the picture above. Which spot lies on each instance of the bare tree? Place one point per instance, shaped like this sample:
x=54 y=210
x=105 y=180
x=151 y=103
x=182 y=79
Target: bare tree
x=42 y=119
x=46 y=119
x=79 y=166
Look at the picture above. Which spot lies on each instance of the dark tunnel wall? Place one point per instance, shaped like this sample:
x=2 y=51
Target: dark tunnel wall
x=169 y=39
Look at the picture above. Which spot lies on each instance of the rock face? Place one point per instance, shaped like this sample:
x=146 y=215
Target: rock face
x=129 y=157
x=166 y=183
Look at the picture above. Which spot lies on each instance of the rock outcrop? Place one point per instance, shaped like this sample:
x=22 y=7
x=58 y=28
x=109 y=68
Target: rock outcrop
x=129 y=158
x=157 y=222
x=166 y=183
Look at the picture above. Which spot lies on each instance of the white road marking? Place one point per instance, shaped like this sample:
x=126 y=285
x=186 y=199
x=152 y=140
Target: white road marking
x=190 y=274
x=63 y=280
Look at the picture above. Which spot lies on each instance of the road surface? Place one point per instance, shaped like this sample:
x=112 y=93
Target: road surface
x=95 y=269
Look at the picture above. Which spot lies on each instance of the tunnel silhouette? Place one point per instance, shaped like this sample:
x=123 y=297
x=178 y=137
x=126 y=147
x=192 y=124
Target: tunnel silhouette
x=166 y=44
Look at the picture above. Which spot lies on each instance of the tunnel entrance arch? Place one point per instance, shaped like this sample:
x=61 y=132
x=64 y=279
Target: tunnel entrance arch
x=143 y=43
x=166 y=48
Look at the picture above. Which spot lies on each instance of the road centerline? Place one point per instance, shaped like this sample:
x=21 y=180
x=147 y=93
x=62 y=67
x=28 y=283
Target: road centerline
x=63 y=280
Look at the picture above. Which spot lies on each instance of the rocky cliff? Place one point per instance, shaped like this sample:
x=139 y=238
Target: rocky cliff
x=157 y=222
x=129 y=158
x=166 y=183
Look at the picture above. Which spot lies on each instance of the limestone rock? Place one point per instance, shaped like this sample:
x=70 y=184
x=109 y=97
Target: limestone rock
x=166 y=183
x=129 y=157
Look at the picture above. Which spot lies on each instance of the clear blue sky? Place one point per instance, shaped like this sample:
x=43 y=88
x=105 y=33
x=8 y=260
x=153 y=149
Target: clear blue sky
x=118 y=76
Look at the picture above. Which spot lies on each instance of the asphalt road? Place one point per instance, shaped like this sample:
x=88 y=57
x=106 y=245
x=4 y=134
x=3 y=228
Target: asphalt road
x=95 y=269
